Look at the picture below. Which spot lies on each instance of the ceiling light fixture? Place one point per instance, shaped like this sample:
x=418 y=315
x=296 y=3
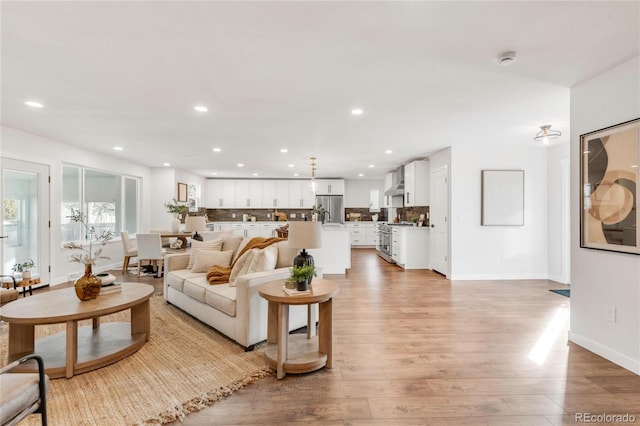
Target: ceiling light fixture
x=546 y=134
x=506 y=58
x=313 y=184
x=118 y=148
x=388 y=151
x=360 y=174
x=291 y=165
x=201 y=108
x=217 y=149
x=371 y=166
x=240 y=165
x=284 y=150
x=166 y=164
x=255 y=174
x=34 y=104
x=357 y=111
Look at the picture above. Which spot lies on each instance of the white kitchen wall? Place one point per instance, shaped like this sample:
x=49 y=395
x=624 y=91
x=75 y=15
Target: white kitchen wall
x=498 y=252
x=165 y=189
x=600 y=278
x=28 y=147
x=356 y=192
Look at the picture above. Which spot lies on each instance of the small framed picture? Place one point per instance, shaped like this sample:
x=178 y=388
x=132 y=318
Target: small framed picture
x=182 y=191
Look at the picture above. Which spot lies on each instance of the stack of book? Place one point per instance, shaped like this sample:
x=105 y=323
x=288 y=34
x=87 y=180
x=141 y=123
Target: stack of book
x=294 y=292
x=110 y=288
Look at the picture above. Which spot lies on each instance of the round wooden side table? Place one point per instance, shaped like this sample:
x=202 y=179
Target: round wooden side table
x=299 y=353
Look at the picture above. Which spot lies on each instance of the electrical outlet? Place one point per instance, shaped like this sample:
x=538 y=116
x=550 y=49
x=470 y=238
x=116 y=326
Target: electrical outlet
x=610 y=313
x=233 y=215
x=293 y=216
x=268 y=215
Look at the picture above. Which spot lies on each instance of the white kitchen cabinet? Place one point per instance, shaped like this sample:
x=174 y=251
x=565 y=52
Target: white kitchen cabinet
x=372 y=234
x=246 y=229
x=221 y=193
x=410 y=246
x=300 y=195
x=357 y=233
x=268 y=230
x=275 y=194
x=416 y=184
x=330 y=186
x=248 y=194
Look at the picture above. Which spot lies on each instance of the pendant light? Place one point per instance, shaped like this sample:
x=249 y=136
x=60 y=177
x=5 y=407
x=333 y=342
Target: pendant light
x=313 y=184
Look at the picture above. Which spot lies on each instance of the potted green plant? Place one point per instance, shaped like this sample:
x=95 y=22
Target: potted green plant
x=302 y=276
x=24 y=268
x=177 y=210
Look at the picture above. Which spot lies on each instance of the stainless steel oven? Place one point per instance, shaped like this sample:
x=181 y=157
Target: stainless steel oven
x=384 y=242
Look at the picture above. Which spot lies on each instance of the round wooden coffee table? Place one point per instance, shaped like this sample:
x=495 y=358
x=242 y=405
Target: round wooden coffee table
x=78 y=349
x=299 y=353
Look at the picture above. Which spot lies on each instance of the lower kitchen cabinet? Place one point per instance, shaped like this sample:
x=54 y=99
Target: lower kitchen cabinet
x=410 y=246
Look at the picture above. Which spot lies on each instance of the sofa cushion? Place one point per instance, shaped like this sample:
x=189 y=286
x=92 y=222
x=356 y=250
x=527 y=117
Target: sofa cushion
x=241 y=265
x=202 y=245
x=176 y=278
x=222 y=297
x=205 y=259
x=196 y=287
x=231 y=242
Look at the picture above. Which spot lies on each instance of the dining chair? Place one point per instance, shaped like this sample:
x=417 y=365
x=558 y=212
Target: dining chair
x=129 y=251
x=150 y=249
x=166 y=242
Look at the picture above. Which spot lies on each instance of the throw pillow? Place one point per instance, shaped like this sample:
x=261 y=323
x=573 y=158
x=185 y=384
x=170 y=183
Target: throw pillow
x=285 y=254
x=202 y=245
x=231 y=242
x=205 y=259
x=241 y=266
x=255 y=260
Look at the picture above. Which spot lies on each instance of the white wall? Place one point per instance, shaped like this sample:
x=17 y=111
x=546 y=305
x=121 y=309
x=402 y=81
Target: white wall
x=498 y=252
x=557 y=251
x=26 y=147
x=356 y=192
x=165 y=190
x=600 y=278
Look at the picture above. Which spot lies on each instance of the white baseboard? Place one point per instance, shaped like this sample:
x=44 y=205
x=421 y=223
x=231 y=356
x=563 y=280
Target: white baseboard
x=606 y=352
x=485 y=277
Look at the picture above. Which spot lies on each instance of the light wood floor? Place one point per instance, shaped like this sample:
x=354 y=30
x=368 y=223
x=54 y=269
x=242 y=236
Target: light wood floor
x=412 y=348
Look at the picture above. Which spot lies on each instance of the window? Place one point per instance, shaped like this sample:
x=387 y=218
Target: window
x=109 y=202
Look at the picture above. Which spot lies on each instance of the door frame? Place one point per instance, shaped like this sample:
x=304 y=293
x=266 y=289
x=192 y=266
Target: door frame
x=446 y=209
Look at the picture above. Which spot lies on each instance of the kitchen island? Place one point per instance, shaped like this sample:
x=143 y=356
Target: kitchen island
x=410 y=246
x=335 y=254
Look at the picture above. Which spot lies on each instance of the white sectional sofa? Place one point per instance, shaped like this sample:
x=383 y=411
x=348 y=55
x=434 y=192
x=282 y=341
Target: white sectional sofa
x=235 y=311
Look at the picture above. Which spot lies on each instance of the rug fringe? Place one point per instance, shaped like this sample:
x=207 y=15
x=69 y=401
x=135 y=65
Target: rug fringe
x=204 y=400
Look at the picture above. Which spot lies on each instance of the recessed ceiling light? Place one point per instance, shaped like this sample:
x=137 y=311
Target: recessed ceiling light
x=166 y=164
x=296 y=174
x=388 y=151
x=291 y=165
x=284 y=150
x=118 y=148
x=201 y=108
x=371 y=166
x=214 y=174
x=360 y=174
x=34 y=104
x=357 y=111
x=255 y=174
x=217 y=149
x=240 y=164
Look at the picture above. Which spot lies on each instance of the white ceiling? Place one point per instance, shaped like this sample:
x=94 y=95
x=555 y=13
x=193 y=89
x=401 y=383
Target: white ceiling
x=286 y=75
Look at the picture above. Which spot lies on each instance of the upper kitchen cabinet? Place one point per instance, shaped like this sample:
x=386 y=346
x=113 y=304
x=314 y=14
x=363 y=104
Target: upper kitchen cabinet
x=221 y=193
x=330 y=186
x=416 y=184
x=275 y=194
x=248 y=194
x=300 y=195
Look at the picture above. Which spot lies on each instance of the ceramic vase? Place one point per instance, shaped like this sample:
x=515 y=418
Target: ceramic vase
x=26 y=275
x=88 y=286
x=175 y=224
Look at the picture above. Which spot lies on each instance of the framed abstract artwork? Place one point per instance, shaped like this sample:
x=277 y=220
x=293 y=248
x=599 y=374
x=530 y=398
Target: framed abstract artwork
x=610 y=215
x=502 y=198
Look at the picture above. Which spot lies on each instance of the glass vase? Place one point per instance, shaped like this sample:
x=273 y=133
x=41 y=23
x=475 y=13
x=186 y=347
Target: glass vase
x=88 y=286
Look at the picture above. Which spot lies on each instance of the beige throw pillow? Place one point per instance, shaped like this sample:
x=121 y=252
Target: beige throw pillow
x=259 y=260
x=205 y=259
x=196 y=246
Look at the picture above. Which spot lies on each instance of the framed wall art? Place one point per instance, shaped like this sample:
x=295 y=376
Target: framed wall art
x=610 y=215
x=502 y=198
x=182 y=191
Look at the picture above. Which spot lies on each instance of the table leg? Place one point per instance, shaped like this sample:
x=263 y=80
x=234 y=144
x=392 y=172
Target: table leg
x=283 y=338
x=325 y=331
x=141 y=319
x=272 y=323
x=96 y=323
x=72 y=347
x=21 y=340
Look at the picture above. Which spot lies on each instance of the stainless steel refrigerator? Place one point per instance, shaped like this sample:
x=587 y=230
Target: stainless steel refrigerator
x=334 y=205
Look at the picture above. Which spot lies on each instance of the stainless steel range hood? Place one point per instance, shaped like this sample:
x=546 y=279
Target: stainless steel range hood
x=397 y=187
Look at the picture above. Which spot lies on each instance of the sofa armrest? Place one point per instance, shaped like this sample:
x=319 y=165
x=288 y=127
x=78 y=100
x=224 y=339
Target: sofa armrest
x=175 y=261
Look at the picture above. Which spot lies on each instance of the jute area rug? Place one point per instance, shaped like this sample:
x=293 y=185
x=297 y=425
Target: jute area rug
x=184 y=367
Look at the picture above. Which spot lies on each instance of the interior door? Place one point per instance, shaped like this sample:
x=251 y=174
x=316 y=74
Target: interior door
x=439 y=215
x=25 y=216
